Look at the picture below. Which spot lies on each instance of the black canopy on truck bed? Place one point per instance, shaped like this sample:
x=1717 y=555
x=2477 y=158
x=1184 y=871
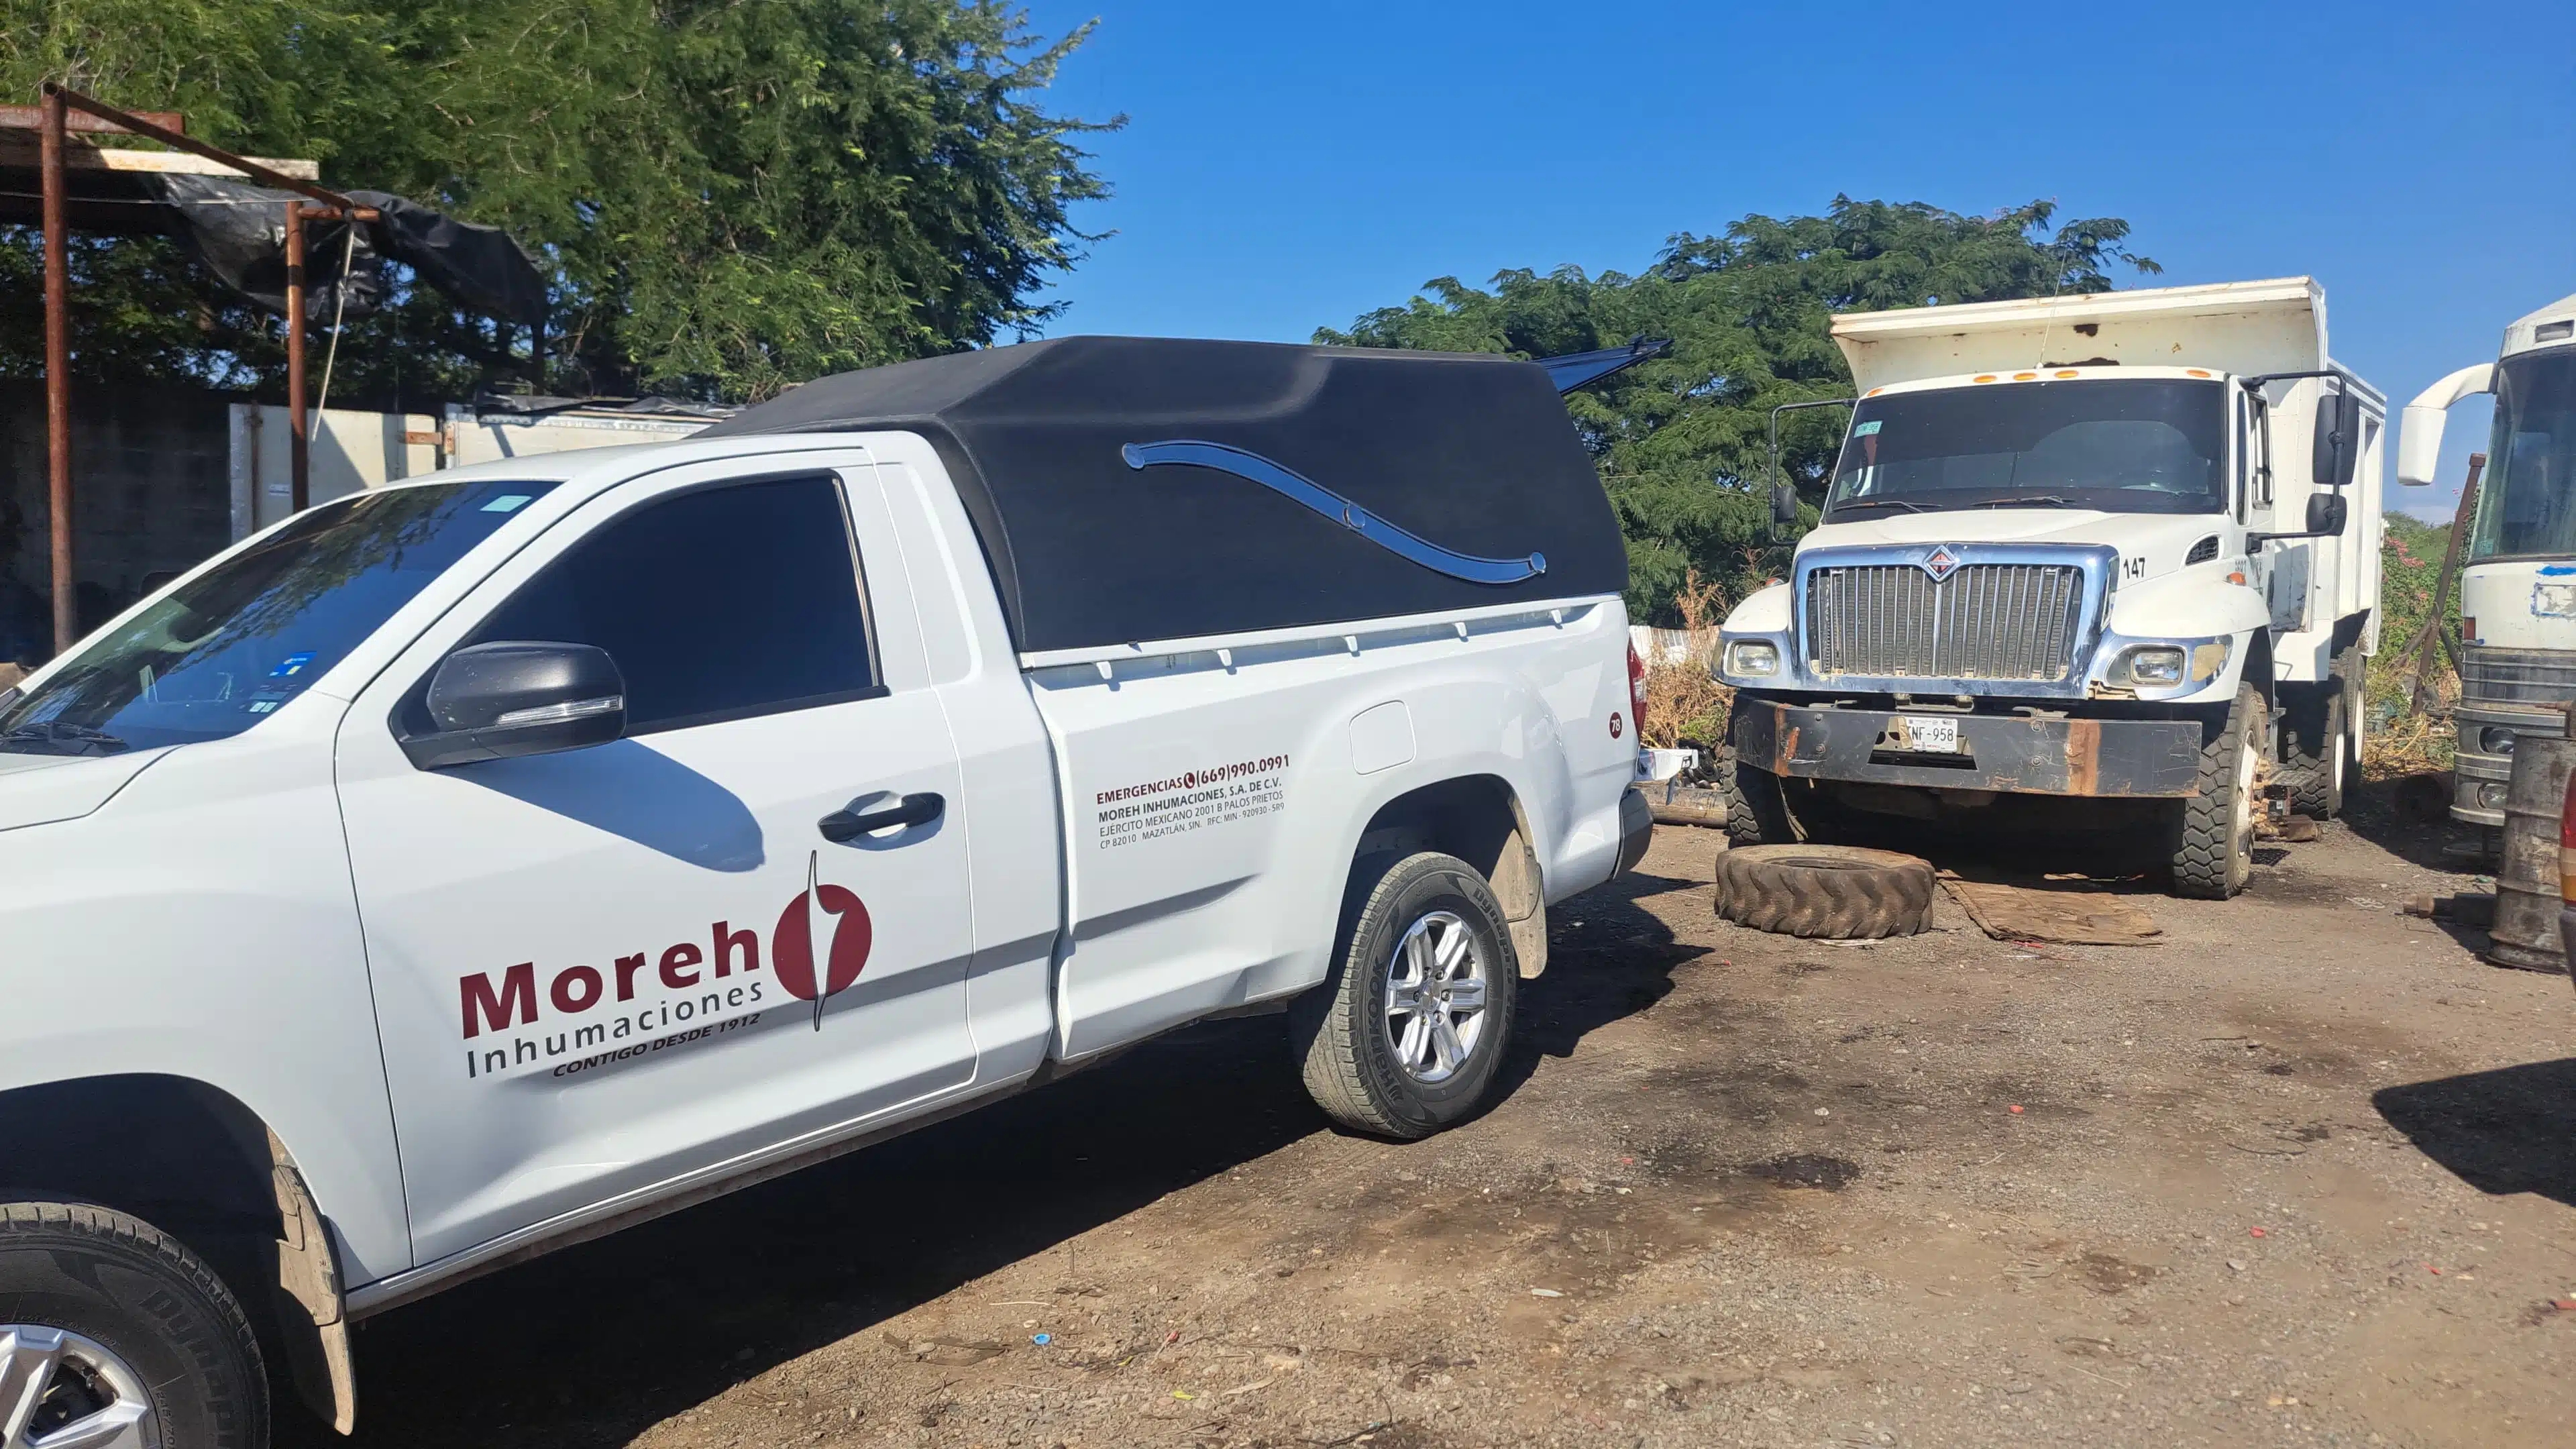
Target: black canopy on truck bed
x=1329 y=484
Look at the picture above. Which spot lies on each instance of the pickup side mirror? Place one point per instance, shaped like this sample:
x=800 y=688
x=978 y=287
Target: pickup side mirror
x=2419 y=443
x=510 y=698
x=1784 y=505
x=2338 y=440
x=2327 y=513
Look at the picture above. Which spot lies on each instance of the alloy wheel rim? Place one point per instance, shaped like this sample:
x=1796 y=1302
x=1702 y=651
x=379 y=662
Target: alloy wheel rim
x=1437 y=990
x=60 y=1390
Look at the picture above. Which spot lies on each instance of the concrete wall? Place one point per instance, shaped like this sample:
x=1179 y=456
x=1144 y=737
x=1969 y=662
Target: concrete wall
x=490 y=438
x=149 y=496
x=351 y=450
x=163 y=477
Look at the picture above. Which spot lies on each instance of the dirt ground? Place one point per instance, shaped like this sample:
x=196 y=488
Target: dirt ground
x=2302 y=1173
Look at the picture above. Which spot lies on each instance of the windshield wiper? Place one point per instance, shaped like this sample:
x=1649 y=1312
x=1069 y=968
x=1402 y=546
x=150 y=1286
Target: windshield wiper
x=2034 y=500
x=1849 y=504
x=60 y=737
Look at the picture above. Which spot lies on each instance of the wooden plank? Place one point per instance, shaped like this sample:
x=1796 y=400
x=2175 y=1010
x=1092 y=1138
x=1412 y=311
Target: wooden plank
x=2069 y=912
x=128 y=159
x=178 y=142
x=31 y=118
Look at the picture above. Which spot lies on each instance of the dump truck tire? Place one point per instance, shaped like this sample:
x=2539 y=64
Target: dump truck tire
x=2318 y=746
x=2213 y=831
x=1755 y=812
x=1833 y=892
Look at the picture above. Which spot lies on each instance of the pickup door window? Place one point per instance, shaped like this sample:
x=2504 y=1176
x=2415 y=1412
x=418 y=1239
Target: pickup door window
x=717 y=605
x=599 y=971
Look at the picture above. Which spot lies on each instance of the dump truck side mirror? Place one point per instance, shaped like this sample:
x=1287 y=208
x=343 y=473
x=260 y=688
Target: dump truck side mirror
x=2327 y=513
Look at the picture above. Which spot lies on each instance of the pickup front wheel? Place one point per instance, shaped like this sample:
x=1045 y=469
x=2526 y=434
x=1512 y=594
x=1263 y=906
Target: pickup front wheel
x=113 y=1335
x=1406 y=1034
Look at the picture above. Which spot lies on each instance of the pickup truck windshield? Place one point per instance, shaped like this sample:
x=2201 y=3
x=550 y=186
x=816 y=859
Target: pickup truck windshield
x=2122 y=445
x=2528 y=505
x=221 y=651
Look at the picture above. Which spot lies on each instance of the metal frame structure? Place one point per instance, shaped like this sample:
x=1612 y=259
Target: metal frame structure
x=62 y=112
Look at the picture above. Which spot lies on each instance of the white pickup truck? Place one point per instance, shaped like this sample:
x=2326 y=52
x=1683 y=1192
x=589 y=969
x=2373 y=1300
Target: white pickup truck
x=476 y=865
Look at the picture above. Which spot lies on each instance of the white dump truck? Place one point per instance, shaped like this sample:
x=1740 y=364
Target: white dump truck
x=2518 y=587
x=2120 y=547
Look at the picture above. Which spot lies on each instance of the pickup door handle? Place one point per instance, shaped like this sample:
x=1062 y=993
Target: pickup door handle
x=842 y=826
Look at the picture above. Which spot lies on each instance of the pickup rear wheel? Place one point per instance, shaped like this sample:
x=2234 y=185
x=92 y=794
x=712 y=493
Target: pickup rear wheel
x=1406 y=1034
x=2213 y=831
x=113 y=1335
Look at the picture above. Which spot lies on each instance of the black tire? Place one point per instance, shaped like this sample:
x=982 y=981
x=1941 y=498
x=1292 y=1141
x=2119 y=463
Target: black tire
x=2352 y=670
x=2213 y=831
x=1355 y=1063
x=1755 y=812
x=2317 y=752
x=1836 y=892
x=133 y=1291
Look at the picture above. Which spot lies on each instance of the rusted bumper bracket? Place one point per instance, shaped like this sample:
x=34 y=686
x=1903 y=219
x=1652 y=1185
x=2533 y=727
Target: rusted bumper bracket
x=2147 y=758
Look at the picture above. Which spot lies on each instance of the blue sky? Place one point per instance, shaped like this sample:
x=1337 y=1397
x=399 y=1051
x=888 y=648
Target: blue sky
x=1290 y=166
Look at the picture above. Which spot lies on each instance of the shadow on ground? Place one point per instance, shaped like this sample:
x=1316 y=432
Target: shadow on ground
x=592 y=1345
x=2374 y=813
x=1608 y=958
x=2115 y=842
x=2505 y=1131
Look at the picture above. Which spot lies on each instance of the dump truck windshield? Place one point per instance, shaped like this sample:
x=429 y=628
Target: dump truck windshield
x=2122 y=445
x=2528 y=504
x=222 y=651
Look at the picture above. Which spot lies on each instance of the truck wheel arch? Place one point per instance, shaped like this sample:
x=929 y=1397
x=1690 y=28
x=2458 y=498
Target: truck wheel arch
x=1480 y=820
x=245 y=1207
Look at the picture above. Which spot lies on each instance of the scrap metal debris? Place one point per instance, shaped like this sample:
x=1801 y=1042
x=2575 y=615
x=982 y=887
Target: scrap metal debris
x=2467 y=908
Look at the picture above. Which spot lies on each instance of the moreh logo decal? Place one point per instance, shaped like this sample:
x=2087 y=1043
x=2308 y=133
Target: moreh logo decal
x=1288 y=483
x=791 y=944
x=582 y=1017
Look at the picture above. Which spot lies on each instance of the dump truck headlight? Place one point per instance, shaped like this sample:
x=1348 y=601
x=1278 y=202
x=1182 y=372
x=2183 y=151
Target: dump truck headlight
x=1752 y=658
x=2149 y=666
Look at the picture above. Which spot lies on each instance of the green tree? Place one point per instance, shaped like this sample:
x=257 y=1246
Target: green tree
x=726 y=198
x=1680 y=440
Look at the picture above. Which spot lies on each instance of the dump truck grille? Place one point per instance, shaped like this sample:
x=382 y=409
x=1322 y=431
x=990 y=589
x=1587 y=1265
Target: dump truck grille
x=2523 y=677
x=1985 y=621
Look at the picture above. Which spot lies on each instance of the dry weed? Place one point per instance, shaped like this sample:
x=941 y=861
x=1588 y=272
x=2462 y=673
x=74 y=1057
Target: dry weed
x=1684 y=701
x=2407 y=743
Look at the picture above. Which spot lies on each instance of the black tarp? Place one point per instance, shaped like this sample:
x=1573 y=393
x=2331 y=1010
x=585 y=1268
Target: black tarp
x=239 y=231
x=1467 y=461
x=1582 y=369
